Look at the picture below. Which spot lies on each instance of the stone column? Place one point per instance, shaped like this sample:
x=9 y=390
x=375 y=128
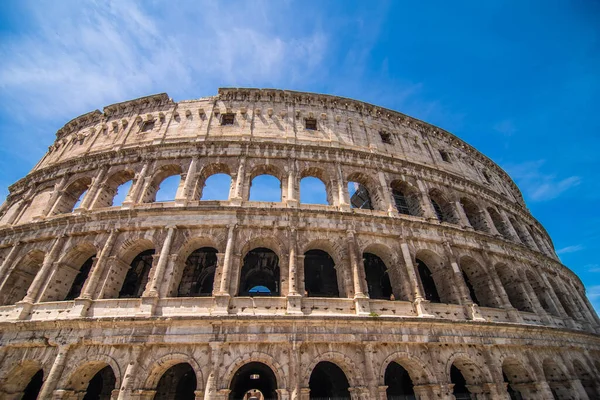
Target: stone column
x=555 y=303
x=55 y=372
x=361 y=300
x=222 y=296
x=386 y=195
x=135 y=192
x=359 y=393
x=535 y=302
x=490 y=223
x=292 y=198
x=184 y=191
x=131 y=372
x=426 y=206
x=462 y=216
x=93 y=190
x=433 y=391
x=152 y=289
x=212 y=383
x=419 y=301
x=513 y=314
x=239 y=183
x=7 y=265
x=90 y=287
x=56 y=196
x=343 y=196
x=496 y=390
x=370 y=374
x=40 y=278
x=295 y=370
x=294 y=299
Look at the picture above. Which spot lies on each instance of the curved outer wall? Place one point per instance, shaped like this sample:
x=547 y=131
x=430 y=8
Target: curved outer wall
x=506 y=304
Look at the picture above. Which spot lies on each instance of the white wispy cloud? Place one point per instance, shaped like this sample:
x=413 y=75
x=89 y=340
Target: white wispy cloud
x=538 y=185
x=505 y=127
x=570 y=249
x=592 y=267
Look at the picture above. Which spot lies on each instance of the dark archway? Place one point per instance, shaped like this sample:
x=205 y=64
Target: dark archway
x=199 y=273
x=327 y=380
x=254 y=375
x=101 y=385
x=513 y=393
x=398 y=382
x=80 y=279
x=260 y=273
x=34 y=386
x=460 y=390
x=471 y=288
x=406 y=199
x=320 y=278
x=359 y=196
x=378 y=279
x=177 y=383
x=429 y=288
x=137 y=275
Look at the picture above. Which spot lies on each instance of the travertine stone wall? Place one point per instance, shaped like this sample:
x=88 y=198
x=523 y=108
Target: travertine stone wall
x=506 y=303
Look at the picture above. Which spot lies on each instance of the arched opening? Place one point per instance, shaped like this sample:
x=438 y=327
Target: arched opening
x=511 y=283
x=21 y=277
x=398 y=382
x=520 y=233
x=313 y=191
x=167 y=190
x=320 y=278
x=429 y=288
x=359 y=196
x=80 y=279
x=474 y=215
x=178 y=382
x=216 y=187
x=479 y=283
x=72 y=195
x=515 y=374
x=199 y=273
x=557 y=380
x=406 y=199
x=34 y=386
x=442 y=207
x=101 y=385
x=265 y=188
x=540 y=292
x=586 y=379
x=137 y=275
x=254 y=376
x=378 y=279
x=460 y=390
x=260 y=273
x=499 y=223
x=564 y=301
x=328 y=381
x=114 y=190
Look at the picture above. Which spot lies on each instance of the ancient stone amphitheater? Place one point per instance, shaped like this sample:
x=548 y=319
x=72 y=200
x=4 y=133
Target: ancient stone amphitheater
x=424 y=277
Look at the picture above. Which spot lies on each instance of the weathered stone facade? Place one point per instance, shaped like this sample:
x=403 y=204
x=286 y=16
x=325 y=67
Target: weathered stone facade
x=468 y=280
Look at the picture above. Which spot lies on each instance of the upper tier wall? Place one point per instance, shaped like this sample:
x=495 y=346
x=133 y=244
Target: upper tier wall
x=278 y=116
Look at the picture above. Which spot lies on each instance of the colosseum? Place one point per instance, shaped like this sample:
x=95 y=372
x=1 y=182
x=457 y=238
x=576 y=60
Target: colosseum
x=424 y=276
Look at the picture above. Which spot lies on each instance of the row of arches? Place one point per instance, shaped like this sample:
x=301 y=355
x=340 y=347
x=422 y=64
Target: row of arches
x=401 y=378
x=268 y=183
x=263 y=269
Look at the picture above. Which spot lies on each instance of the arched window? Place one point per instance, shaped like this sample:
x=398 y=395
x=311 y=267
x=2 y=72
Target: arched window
x=216 y=187
x=121 y=193
x=479 y=283
x=510 y=282
x=398 y=382
x=260 y=273
x=521 y=233
x=430 y=291
x=254 y=377
x=320 y=278
x=265 y=188
x=474 y=215
x=168 y=188
x=378 y=279
x=442 y=207
x=587 y=380
x=499 y=223
x=359 y=196
x=21 y=277
x=80 y=279
x=540 y=292
x=72 y=195
x=137 y=275
x=328 y=381
x=178 y=382
x=406 y=199
x=101 y=385
x=564 y=300
x=199 y=273
x=559 y=383
x=460 y=390
x=313 y=191
x=34 y=386
x=114 y=190
x=515 y=374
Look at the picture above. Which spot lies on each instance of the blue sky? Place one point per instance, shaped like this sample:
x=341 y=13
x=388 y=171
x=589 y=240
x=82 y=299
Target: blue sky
x=518 y=80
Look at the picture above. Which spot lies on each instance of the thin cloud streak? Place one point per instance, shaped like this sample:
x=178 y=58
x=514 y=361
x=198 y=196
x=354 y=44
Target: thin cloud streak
x=539 y=186
x=570 y=249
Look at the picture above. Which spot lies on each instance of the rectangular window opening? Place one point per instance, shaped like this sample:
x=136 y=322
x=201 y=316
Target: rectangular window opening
x=445 y=156
x=386 y=137
x=147 y=126
x=311 y=124
x=227 y=119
